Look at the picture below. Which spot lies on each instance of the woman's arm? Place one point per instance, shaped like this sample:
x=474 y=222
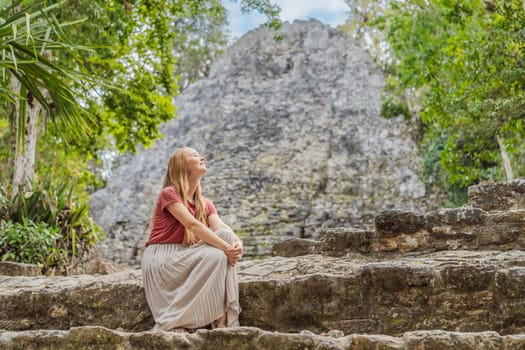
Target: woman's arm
x=235 y=253
x=215 y=222
x=196 y=227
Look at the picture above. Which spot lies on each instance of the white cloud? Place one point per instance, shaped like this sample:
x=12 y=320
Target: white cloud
x=331 y=12
x=301 y=9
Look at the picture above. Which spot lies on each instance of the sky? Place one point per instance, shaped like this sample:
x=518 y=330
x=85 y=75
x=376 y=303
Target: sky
x=331 y=12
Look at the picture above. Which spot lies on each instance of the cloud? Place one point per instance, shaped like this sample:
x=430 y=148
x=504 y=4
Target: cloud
x=331 y=12
x=302 y=9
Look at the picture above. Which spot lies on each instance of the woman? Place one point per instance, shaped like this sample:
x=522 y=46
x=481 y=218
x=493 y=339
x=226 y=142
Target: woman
x=189 y=262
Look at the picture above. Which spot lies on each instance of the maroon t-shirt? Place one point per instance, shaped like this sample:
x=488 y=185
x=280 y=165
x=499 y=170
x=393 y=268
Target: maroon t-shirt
x=165 y=227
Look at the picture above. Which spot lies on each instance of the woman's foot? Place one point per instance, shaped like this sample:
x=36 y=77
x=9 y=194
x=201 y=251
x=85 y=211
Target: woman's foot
x=179 y=330
x=219 y=323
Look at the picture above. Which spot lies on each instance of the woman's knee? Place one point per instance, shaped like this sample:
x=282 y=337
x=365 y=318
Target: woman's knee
x=217 y=255
x=227 y=235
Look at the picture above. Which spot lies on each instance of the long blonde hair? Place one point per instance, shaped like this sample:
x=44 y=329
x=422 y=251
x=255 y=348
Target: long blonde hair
x=177 y=176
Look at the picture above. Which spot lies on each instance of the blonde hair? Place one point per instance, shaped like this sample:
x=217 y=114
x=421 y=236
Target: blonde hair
x=177 y=176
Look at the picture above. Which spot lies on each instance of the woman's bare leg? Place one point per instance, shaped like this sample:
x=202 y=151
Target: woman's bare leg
x=220 y=322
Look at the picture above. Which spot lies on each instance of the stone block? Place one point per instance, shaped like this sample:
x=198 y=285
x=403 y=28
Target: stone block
x=396 y=222
x=455 y=217
x=440 y=340
x=418 y=241
x=253 y=338
x=384 y=245
x=11 y=268
x=295 y=247
x=340 y=241
x=375 y=341
x=113 y=301
x=498 y=196
x=464 y=291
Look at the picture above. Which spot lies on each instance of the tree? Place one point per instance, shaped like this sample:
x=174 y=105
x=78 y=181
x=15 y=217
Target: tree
x=153 y=50
x=32 y=81
x=121 y=86
x=138 y=51
x=360 y=25
x=465 y=60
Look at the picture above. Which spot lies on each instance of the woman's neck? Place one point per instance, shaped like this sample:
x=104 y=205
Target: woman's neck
x=192 y=188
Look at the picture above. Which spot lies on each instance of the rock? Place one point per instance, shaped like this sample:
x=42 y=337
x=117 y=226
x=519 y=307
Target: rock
x=461 y=290
x=392 y=223
x=392 y=296
x=294 y=247
x=294 y=142
x=335 y=333
x=472 y=228
x=340 y=241
x=113 y=301
x=399 y=232
x=498 y=196
x=455 y=216
x=252 y=338
x=11 y=268
x=102 y=266
x=453 y=340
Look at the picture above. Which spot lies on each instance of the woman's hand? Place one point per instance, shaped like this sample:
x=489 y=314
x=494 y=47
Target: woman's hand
x=234 y=253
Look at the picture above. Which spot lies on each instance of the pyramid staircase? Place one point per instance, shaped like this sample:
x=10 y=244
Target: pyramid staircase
x=446 y=279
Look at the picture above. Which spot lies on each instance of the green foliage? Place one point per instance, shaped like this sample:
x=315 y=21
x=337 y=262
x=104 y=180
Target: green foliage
x=434 y=175
x=466 y=60
x=29 y=34
x=27 y=242
x=151 y=50
x=392 y=107
x=52 y=216
x=361 y=25
x=111 y=68
x=57 y=162
x=264 y=6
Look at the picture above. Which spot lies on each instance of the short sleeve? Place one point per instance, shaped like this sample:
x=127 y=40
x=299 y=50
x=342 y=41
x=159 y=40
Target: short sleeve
x=210 y=207
x=168 y=196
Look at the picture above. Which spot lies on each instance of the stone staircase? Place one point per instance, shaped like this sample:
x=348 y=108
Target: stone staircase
x=447 y=279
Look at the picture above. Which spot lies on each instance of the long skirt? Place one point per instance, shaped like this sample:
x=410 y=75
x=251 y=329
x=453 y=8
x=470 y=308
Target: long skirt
x=192 y=286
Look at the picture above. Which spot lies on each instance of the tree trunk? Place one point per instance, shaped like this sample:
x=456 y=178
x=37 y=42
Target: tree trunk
x=25 y=150
x=505 y=158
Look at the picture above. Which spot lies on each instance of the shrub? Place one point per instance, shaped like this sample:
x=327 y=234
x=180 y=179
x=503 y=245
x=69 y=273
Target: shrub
x=50 y=215
x=27 y=242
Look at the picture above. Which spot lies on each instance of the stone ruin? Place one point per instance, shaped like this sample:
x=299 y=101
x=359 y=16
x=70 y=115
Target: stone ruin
x=445 y=279
x=294 y=142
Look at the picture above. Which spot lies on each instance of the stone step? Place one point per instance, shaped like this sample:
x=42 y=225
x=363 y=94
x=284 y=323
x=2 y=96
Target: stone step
x=398 y=232
x=498 y=196
x=253 y=338
x=459 y=290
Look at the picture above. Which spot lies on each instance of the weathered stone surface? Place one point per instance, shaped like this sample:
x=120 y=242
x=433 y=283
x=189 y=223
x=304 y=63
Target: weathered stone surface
x=437 y=340
x=447 y=229
x=392 y=223
x=462 y=290
x=458 y=217
x=340 y=241
x=294 y=247
x=498 y=196
x=388 y=298
x=253 y=338
x=11 y=268
x=472 y=228
x=100 y=265
x=294 y=143
x=115 y=300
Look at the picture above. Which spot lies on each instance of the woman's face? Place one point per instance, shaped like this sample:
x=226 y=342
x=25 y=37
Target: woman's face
x=195 y=162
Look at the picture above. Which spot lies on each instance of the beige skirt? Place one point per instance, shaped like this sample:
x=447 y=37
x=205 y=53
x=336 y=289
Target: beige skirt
x=190 y=287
